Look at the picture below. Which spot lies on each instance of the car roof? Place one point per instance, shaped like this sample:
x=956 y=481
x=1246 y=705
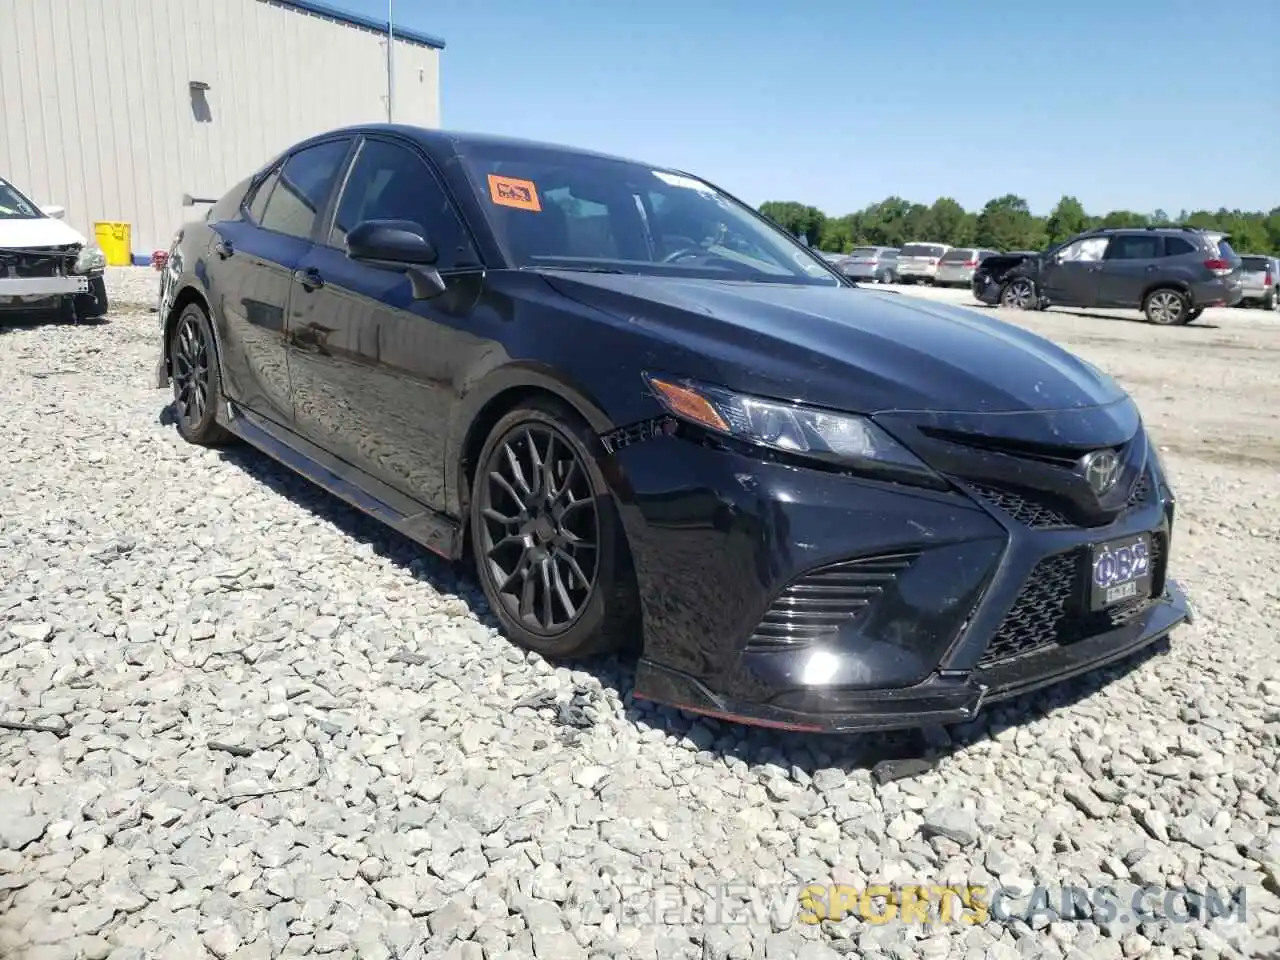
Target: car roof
x=441 y=142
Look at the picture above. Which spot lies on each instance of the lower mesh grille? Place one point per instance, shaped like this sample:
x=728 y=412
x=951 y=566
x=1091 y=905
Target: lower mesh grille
x=820 y=603
x=1043 y=613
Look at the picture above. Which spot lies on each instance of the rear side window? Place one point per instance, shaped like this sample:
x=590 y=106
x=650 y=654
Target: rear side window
x=1177 y=247
x=306 y=180
x=258 y=205
x=390 y=182
x=1134 y=246
x=1225 y=251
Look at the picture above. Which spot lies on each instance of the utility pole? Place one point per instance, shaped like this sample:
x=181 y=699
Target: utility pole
x=391 y=61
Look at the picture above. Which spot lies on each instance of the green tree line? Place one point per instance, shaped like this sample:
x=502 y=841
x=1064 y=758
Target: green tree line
x=1005 y=223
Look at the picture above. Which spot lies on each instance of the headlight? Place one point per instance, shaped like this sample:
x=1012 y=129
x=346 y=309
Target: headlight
x=842 y=439
x=90 y=258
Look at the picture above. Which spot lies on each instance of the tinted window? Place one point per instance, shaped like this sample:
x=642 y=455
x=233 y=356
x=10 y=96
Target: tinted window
x=303 y=187
x=1225 y=250
x=865 y=252
x=1255 y=263
x=258 y=205
x=389 y=182
x=958 y=255
x=1177 y=247
x=1134 y=246
x=922 y=250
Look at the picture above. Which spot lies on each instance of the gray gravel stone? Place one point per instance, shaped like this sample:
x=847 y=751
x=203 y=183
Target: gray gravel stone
x=268 y=727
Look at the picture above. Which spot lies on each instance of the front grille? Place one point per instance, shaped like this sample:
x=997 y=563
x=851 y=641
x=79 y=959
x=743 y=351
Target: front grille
x=1021 y=508
x=1141 y=490
x=1043 y=613
x=821 y=602
x=54 y=263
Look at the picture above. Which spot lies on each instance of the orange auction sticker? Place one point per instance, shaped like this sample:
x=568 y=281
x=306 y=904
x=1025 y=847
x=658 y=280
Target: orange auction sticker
x=510 y=192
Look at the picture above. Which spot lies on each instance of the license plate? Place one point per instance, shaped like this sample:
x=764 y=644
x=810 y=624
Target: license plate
x=1119 y=571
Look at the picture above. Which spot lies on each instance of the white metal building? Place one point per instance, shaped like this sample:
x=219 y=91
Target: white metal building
x=114 y=109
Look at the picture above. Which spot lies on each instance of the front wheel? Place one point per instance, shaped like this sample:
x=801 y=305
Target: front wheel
x=1019 y=294
x=1167 y=307
x=548 y=543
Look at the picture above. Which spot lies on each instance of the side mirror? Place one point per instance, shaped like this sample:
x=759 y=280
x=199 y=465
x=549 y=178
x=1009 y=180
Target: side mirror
x=391 y=244
x=54 y=211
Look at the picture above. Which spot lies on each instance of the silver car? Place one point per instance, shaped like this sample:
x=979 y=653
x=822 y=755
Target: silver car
x=958 y=265
x=919 y=261
x=1258 y=275
x=877 y=264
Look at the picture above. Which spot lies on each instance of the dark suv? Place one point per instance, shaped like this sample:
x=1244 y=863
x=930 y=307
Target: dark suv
x=1171 y=274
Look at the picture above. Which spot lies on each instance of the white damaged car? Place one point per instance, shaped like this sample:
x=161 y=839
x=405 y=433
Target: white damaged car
x=45 y=265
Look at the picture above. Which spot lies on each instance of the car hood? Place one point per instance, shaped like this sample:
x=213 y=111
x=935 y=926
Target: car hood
x=38 y=232
x=851 y=349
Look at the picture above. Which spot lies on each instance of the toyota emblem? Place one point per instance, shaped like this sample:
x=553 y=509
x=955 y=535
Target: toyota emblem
x=1102 y=469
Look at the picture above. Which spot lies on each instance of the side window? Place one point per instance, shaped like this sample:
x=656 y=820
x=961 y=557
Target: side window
x=258 y=205
x=305 y=182
x=388 y=182
x=1177 y=247
x=1086 y=250
x=1134 y=246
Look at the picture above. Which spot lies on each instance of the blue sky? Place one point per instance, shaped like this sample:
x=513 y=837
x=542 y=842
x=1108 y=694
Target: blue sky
x=1135 y=104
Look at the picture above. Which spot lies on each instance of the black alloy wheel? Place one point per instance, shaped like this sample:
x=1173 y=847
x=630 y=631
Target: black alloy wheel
x=547 y=541
x=194 y=371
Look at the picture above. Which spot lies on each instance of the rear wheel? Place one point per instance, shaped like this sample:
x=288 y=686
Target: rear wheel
x=197 y=387
x=1167 y=307
x=1269 y=302
x=886 y=276
x=1019 y=294
x=549 y=547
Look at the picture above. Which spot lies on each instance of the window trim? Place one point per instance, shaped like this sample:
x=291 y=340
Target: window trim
x=325 y=235
x=279 y=165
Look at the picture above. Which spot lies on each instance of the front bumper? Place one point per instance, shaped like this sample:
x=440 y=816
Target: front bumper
x=985 y=290
x=730 y=551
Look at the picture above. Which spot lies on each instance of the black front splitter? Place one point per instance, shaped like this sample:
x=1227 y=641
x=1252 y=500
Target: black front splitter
x=944 y=698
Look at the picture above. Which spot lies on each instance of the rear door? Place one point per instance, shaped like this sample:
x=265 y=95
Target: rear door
x=1071 y=277
x=251 y=267
x=1132 y=264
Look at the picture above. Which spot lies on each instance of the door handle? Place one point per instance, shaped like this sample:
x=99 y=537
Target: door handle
x=224 y=249
x=309 y=278
x=1152 y=269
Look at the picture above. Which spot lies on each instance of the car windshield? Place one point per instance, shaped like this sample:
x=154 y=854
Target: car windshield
x=560 y=209
x=14 y=206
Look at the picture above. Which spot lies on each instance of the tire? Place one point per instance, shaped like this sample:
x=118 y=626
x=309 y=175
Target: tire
x=1269 y=302
x=519 y=536
x=886 y=276
x=197 y=383
x=1018 y=294
x=1167 y=307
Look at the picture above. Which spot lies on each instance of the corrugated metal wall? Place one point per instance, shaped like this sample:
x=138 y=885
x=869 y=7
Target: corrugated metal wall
x=97 y=113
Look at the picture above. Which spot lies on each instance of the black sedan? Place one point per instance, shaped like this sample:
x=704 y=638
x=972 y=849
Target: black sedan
x=652 y=419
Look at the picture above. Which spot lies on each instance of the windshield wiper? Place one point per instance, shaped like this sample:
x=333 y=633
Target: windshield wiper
x=580 y=267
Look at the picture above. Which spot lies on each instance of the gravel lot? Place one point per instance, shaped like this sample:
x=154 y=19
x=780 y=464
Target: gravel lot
x=269 y=727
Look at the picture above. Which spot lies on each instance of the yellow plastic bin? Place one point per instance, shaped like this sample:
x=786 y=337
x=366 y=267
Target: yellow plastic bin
x=114 y=239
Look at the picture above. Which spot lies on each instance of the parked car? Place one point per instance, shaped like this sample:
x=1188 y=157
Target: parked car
x=810 y=505
x=1171 y=274
x=45 y=265
x=919 y=261
x=1258 y=280
x=878 y=264
x=957 y=266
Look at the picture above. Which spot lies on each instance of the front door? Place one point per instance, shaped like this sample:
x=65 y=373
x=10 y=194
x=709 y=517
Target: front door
x=1071 y=277
x=252 y=262
x=1131 y=264
x=373 y=368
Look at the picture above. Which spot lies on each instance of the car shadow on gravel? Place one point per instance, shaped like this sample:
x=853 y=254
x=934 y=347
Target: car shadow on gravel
x=1069 y=312
x=13 y=323
x=889 y=755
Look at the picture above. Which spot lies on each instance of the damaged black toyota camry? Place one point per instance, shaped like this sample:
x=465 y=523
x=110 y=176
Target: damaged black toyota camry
x=650 y=417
